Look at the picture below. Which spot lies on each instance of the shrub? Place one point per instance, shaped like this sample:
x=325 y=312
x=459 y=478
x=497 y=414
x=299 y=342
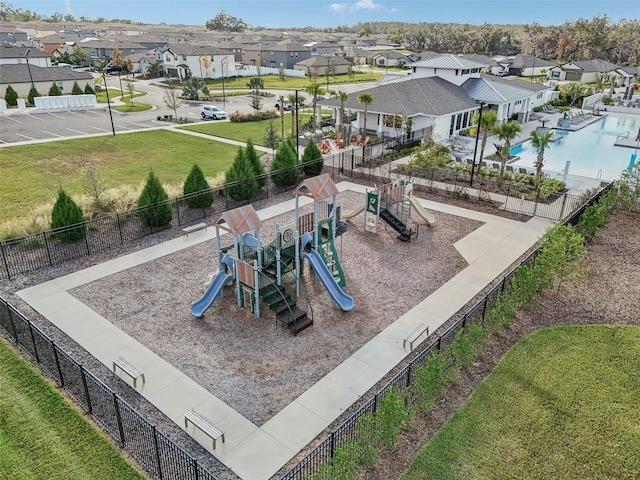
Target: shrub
x=11 y=96
x=391 y=417
x=284 y=168
x=607 y=100
x=312 y=159
x=76 y=90
x=343 y=465
x=431 y=154
x=54 y=90
x=241 y=177
x=251 y=117
x=258 y=168
x=196 y=182
x=88 y=90
x=429 y=381
x=158 y=212
x=66 y=213
x=33 y=92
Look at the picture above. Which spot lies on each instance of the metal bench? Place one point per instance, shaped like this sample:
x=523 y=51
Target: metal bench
x=414 y=335
x=195 y=228
x=129 y=369
x=204 y=425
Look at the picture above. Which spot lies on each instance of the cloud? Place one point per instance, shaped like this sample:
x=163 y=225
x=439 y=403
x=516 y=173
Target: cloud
x=338 y=7
x=366 y=5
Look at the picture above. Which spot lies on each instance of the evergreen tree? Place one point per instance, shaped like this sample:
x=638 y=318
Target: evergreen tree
x=196 y=182
x=270 y=136
x=88 y=90
x=284 y=168
x=11 y=96
x=256 y=164
x=55 y=91
x=66 y=213
x=242 y=177
x=76 y=90
x=155 y=209
x=312 y=159
x=33 y=92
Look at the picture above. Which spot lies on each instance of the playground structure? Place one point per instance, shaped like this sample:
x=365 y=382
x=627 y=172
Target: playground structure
x=393 y=203
x=258 y=269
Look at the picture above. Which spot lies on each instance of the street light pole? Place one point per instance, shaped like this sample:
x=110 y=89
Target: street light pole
x=297 y=136
x=26 y=55
x=475 y=150
x=106 y=89
x=224 y=60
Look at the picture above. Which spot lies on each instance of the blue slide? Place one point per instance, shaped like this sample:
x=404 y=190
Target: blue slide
x=342 y=299
x=211 y=294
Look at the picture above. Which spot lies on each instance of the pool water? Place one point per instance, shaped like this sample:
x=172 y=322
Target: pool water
x=590 y=150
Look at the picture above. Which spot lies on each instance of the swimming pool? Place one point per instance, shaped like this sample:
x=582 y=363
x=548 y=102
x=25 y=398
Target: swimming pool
x=590 y=150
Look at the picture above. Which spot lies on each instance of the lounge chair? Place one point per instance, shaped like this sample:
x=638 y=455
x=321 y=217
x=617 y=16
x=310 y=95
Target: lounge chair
x=358 y=140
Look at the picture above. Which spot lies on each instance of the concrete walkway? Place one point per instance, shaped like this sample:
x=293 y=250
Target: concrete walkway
x=258 y=453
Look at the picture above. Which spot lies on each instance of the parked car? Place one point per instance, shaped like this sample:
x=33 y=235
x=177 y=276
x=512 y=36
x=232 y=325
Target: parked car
x=286 y=107
x=112 y=69
x=209 y=111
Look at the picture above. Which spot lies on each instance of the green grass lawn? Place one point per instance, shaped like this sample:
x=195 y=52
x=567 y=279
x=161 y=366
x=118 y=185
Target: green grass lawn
x=242 y=131
x=564 y=403
x=43 y=437
x=273 y=81
x=30 y=175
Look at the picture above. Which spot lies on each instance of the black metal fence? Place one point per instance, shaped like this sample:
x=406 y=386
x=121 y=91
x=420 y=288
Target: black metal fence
x=347 y=431
x=159 y=454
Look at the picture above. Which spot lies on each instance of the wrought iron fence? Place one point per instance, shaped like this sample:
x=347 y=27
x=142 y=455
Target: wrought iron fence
x=347 y=431
x=153 y=449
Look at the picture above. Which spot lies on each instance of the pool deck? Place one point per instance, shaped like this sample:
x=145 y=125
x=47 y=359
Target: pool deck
x=257 y=453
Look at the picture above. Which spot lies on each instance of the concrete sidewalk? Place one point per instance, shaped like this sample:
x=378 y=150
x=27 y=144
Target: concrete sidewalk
x=257 y=453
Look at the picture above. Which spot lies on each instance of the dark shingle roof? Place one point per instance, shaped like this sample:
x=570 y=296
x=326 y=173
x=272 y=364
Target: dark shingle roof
x=20 y=74
x=430 y=96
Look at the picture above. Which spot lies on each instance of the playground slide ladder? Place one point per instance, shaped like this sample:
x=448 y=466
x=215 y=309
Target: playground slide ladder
x=330 y=256
x=283 y=305
x=392 y=219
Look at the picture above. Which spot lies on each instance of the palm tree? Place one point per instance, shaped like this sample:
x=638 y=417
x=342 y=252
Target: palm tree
x=291 y=99
x=572 y=91
x=506 y=132
x=488 y=121
x=314 y=90
x=540 y=141
x=255 y=84
x=342 y=96
x=366 y=99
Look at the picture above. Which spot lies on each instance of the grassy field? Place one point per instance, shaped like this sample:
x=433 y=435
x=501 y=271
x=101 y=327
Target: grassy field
x=562 y=403
x=242 y=131
x=43 y=437
x=30 y=175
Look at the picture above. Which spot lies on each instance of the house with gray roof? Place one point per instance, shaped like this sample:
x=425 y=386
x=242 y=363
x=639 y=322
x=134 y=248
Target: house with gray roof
x=284 y=53
x=323 y=65
x=12 y=55
x=528 y=66
x=433 y=104
x=454 y=68
x=585 y=71
x=184 y=60
x=19 y=77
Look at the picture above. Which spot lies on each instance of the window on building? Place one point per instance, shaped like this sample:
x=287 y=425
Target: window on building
x=184 y=58
x=453 y=123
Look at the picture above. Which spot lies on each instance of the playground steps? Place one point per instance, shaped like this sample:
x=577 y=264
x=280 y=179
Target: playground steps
x=397 y=225
x=331 y=260
x=281 y=303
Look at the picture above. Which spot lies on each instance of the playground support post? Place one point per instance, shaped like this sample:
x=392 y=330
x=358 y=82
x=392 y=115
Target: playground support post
x=475 y=150
x=256 y=301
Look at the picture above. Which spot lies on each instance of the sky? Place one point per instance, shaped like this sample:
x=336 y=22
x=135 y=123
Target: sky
x=332 y=13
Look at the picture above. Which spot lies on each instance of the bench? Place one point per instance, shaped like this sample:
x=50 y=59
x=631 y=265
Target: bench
x=414 y=335
x=195 y=228
x=204 y=425
x=129 y=369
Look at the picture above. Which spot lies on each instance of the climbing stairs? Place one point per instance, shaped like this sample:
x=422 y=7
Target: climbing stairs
x=397 y=225
x=284 y=307
x=328 y=253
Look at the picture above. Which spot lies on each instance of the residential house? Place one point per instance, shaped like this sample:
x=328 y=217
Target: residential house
x=21 y=76
x=285 y=54
x=11 y=55
x=183 y=60
x=527 y=66
x=10 y=34
x=142 y=61
x=453 y=68
x=323 y=66
x=359 y=56
x=585 y=71
x=325 y=48
x=390 y=58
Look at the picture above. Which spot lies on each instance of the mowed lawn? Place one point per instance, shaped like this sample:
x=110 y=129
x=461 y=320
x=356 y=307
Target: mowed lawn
x=43 y=437
x=563 y=403
x=30 y=175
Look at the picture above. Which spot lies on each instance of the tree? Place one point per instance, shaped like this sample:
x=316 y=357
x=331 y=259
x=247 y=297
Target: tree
x=270 y=136
x=281 y=72
x=172 y=100
x=78 y=56
x=76 y=90
x=64 y=214
x=192 y=87
x=226 y=23
x=366 y=99
x=342 y=96
x=540 y=141
x=255 y=84
x=54 y=90
x=33 y=92
x=488 y=122
x=88 y=90
x=94 y=187
x=256 y=103
x=505 y=132
x=314 y=90
x=206 y=63
x=240 y=179
x=196 y=182
x=572 y=91
x=254 y=159
x=312 y=160
x=284 y=168
x=430 y=154
x=130 y=90
x=11 y=96
x=155 y=209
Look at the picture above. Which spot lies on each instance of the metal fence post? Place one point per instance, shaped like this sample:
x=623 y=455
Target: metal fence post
x=118 y=417
x=46 y=245
x=332 y=447
x=175 y=200
x=195 y=468
x=564 y=203
x=86 y=240
x=55 y=355
x=86 y=389
x=33 y=341
x=119 y=227
x=4 y=260
x=157 y=448
x=484 y=306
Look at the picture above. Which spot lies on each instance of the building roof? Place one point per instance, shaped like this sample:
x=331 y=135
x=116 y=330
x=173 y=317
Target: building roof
x=318 y=188
x=19 y=73
x=239 y=220
x=430 y=96
x=529 y=61
x=195 y=50
x=485 y=89
x=516 y=82
x=449 y=62
x=322 y=61
x=595 y=65
x=11 y=51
